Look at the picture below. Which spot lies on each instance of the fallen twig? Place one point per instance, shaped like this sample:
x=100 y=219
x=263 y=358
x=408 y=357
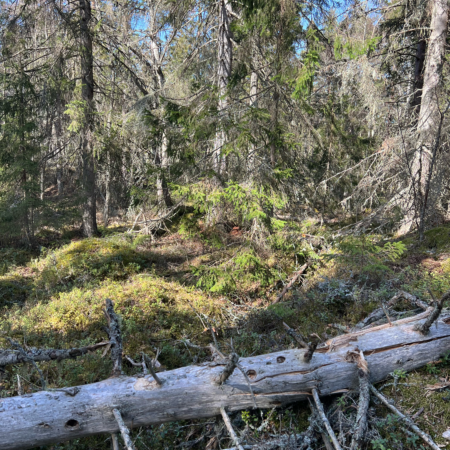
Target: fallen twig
x=20 y=349
x=295 y=335
x=115 y=441
x=291 y=282
x=233 y=435
x=325 y=420
x=407 y=420
x=124 y=430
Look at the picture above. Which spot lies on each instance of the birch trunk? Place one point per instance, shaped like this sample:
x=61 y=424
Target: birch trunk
x=191 y=392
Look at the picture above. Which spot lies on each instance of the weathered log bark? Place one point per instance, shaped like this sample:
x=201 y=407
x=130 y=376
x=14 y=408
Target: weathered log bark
x=191 y=392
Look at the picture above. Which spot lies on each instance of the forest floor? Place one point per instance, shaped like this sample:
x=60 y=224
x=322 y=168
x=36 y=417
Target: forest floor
x=179 y=285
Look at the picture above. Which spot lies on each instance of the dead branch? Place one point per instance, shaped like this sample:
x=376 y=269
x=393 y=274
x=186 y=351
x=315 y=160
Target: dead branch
x=412 y=299
x=425 y=327
x=230 y=429
x=232 y=362
x=22 y=352
x=380 y=313
x=302 y=441
x=124 y=430
x=295 y=335
x=363 y=406
x=324 y=419
x=291 y=282
x=115 y=337
x=407 y=420
x=10 y=357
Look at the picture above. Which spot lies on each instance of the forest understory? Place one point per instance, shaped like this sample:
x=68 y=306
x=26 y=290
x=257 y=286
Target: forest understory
x=174 y=290
x=224 y=224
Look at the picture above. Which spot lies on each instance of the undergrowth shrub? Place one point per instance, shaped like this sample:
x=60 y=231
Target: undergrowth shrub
x=240 y=272
x=364 y=255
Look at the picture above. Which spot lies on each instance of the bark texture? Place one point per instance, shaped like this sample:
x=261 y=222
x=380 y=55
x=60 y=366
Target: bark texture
x=225 y=58
x=89 y=209
x=191 y=392
x=428 y=126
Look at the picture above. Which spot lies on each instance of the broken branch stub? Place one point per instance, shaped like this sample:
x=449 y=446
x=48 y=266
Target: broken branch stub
x=425 y=327
x=232 y=363
x=190 y=392
x=152 y=370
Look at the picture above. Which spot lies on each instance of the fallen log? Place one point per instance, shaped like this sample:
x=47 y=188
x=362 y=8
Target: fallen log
x=192 y=392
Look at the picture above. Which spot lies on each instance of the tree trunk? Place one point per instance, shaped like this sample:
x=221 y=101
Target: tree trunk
x=418 y=75
x=107 y=189
x=42 y=181
x=59 y=178
x=225 y=58
x=192 y=392
x=87 y=94
x=253 y=103
x=429 y=115
x=161 y=183
x=162 y=156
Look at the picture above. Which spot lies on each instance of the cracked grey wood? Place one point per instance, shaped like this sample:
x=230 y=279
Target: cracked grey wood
x=53 y=416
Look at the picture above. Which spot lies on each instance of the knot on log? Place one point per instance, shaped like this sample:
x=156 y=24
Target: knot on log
x=357 y=356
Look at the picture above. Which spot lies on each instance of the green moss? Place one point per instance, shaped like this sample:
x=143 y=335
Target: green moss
x=153 y=311
x=57 y=301
x=413 y=395
x=90 y=260
x=437 y=239
x=14 y=289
